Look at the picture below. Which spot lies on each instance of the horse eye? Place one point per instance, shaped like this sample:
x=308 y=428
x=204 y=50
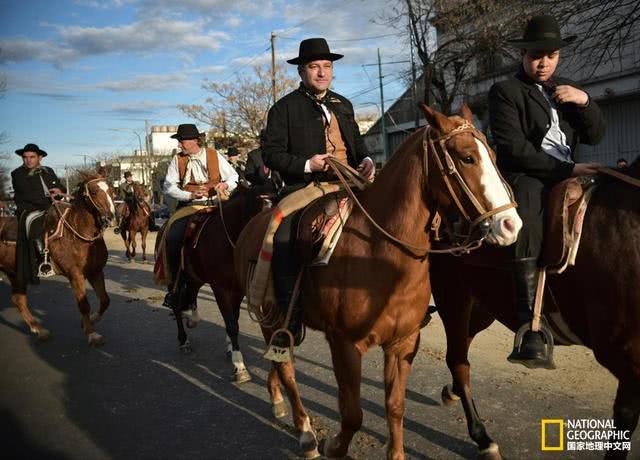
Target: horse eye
x=468 y=160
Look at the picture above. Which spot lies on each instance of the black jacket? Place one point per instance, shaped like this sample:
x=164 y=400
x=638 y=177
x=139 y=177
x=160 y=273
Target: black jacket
x=295 y=133
x=28 y=191
x=520 y=117
x=254 y=171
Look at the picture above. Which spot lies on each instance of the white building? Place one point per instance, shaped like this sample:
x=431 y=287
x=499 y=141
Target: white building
x=160 y=141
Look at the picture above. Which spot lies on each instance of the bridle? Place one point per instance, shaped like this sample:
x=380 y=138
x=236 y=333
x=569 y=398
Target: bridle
x=102 y=211
x=479 y=216
x=449 y=173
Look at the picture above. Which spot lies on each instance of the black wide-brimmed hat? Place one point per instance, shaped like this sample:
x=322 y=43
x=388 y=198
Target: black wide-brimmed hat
x=542 y=33
x=31 y=148
x=314 y=49
x=186 y=131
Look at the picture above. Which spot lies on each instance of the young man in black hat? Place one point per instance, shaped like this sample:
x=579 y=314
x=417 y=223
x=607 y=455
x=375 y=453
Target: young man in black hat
x=303 y=128
x=195 y=176
x=537 y=121
x=34 y=186
x=125 y=192
x=263 y=180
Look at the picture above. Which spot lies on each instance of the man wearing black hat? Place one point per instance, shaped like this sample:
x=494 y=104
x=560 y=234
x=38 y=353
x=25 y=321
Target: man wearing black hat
x=34 y=186
x=537 y=121
x=125 y=190
x=303 y=128
x=196 y=175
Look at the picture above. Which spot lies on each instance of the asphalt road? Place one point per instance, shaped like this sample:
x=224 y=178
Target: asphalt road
x=137 y=397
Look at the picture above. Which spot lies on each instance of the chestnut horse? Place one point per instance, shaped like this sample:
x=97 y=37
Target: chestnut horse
x=376 y=291
x=135 y=221
x=211 y=262
x=598 y=297
x=76 y=248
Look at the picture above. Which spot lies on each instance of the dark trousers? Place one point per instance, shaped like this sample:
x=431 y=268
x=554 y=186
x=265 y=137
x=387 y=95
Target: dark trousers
x=174 y=240
x=531 y=195
x=285 y=264
x=27 y=258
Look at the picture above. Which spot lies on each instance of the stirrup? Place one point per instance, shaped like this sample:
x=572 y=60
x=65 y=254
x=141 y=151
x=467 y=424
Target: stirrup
x=277 y=353
x=45 y=269
x=546 y=362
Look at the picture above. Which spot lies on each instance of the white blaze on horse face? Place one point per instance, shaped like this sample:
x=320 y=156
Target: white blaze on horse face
x=505 y=225
x=105 y=188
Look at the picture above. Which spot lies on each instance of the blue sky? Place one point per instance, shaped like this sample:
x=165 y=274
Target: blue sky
x=78 y=69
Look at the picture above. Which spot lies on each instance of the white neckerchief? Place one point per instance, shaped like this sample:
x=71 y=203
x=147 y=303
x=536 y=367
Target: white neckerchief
x=327 y=113
x=196 y=169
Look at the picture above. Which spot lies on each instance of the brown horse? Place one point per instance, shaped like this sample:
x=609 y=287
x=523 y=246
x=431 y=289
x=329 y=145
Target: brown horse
x=209 y=260
x=598 y=297
x=375 y=291
x=77 y=249
x=135 y=220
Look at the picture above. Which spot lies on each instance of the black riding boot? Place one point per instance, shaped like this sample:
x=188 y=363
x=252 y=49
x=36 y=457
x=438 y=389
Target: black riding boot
x=284 y=287
x=531 y=351
x=39 y=244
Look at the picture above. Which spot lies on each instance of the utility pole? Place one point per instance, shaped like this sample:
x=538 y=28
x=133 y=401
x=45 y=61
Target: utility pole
x=385 y=144
x=414 y=89
x=66 y=177
x=273 y=67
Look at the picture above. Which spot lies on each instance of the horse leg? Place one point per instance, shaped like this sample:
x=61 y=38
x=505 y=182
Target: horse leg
x=97 y=282
x=125 y=238
x=626 y=410
x=132 y=242
x=143 y=237
x=286 y=373
x=229 y=301
x=397 y=365
x=19 y=299
x=79 y=290
x=347 y=367
x=457 y=324
x=183 y=341
x=278 y=406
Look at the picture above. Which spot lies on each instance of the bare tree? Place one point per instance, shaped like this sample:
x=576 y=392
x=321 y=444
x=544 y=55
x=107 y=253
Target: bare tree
x=457 y=40
x=237 y=111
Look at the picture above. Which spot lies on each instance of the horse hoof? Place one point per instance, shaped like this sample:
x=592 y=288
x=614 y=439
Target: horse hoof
x=186 y=348
x=95 y=317
x=490 y=453
x=191 y=323
x=95 y=339
x=448 y=397
x=279 y=409
x=309 y=444
x=43 y=334
x=328 y=448
x=242 y=376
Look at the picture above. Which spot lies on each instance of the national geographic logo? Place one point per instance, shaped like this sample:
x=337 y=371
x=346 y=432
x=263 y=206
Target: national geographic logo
x=583 y=434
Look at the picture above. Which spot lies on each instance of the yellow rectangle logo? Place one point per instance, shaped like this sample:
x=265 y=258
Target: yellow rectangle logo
x=560 y=424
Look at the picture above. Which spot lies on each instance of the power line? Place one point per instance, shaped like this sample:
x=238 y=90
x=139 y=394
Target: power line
x=349 y=39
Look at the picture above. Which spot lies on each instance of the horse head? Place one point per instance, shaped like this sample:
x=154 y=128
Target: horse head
x=470 y=185
x=98 y=197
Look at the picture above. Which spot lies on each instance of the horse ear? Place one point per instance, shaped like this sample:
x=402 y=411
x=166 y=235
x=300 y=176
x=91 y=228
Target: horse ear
x=465 y=111
x=436 y=119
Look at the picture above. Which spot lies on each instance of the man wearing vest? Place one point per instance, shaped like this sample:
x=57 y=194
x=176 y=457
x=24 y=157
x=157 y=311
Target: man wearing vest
x=35 y=186
x=303 y=128
x=195 y=176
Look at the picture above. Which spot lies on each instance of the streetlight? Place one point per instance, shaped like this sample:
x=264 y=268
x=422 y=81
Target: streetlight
x=144 y=169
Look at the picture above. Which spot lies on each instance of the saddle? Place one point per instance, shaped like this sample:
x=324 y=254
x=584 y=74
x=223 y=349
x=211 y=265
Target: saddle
x=319 y=225
x=566 y=208
x=196 y=223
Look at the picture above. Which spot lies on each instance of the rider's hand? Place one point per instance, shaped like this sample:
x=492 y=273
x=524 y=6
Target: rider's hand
x=566 y=93
x=368 y=169
x=584 y=169
x=317 y=163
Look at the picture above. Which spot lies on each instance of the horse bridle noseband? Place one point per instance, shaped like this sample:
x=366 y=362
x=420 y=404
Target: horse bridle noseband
x=449 y=173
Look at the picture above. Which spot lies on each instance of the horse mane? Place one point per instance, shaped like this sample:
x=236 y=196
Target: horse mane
x=634 y=168
x=85 y=176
